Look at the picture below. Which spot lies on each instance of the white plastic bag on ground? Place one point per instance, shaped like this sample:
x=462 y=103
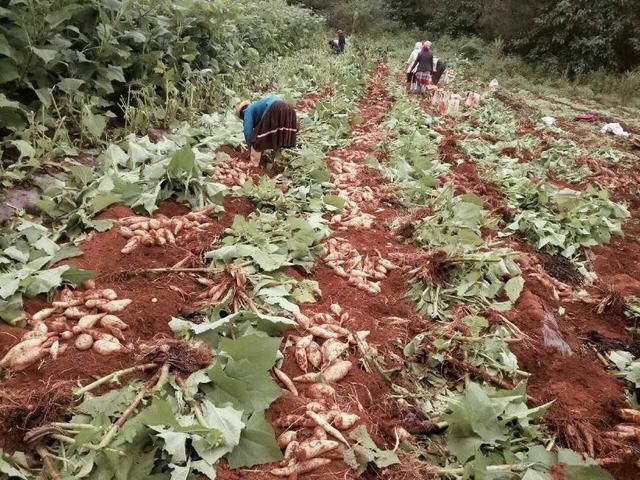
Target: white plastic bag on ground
x=614 y=128
x=548 y=121
x=494 y=83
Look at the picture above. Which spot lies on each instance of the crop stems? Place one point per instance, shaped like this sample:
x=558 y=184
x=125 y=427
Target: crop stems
x=113 y=377
x=48 y=464
x=514 y=468
x=144 y=391
x=197 y=411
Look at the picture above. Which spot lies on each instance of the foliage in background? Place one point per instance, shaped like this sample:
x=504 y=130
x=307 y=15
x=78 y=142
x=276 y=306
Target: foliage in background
x=568 y=36
x=54 y=51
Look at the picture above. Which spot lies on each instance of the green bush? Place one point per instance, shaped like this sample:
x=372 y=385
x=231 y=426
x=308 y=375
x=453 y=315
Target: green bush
x=103 y=48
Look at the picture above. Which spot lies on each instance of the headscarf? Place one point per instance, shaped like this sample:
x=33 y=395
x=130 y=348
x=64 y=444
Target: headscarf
x=418 y=46
x=427 y=45
x=240 y=107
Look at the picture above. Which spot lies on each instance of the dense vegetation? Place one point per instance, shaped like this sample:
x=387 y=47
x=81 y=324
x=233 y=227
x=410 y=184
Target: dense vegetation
x=568 y=36
x=92 y=54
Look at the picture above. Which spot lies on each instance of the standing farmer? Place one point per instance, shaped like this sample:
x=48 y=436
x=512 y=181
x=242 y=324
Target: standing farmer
x=341 y=40
x=410 y=62
x=423 y=66
x=269 y=124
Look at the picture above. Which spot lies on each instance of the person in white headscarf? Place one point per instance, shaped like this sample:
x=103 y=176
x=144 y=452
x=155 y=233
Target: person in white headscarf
x=412 y=58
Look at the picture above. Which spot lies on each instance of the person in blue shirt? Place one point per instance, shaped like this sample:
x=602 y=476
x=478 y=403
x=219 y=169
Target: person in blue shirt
x=269 y=124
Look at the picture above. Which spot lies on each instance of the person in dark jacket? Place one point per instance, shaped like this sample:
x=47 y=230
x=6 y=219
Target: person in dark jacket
x=423 y=66
x=341 y=40
x=438 y=71
x=269 y=124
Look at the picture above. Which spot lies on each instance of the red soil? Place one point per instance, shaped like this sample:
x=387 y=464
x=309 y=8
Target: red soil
x=45 y=389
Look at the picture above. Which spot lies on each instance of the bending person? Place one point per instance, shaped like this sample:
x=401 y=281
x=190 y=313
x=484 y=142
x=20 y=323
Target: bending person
x=269 y=124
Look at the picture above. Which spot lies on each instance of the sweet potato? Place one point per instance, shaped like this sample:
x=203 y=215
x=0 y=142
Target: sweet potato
x=314 y=448
x=24 y=354
x=332 y=349
x=294 y=421
x=112 y=322
x=321 y=391
x=314 y=354
x=115 y=306
x=108 y=293
x=336 y=372
x=311 y=377
x=316 y=407
x=59 y=325
x=89 y=284
x=68 y=335
x=318 y=434
x=322 y=332
x=286 y=381
x=286 y=438
x=344 y=421
x=154 y=224
x=54 y=350
x=336 y=309
x=131 y=245
x=630 y=415
x=125 y=232
x=300 y=468
x=322 y=422
x=84 y=341
x=75 y=313
x=89 y=321
x=106 y=347
x=43 y=314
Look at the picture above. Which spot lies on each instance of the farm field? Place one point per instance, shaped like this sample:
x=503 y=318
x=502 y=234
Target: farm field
x=409 y=294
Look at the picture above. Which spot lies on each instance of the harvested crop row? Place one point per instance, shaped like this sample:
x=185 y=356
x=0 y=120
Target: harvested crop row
x=96 y=327
x=311 y=440
x=232 y=172
x=160 y=230
x=364 y=273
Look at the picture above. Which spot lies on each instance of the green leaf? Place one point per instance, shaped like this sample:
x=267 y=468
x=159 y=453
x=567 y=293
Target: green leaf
x=257 y=444
x=158 y=413
x=70 y=86
x=586 y=472
x=93 y=123
x=109 y=404
x=47 y=55
x=102 y=200
x=473 y=422
x=25 y=149
x=8 y=73
x=182 y=161
x=243 y=385
x=366 y=451
x=5 y=48
x=45 y=280
x=514 y=288
x=334 y=201
x=226 y=420
x=175 y=444
x=83 y=173
x=260 y=351
x=76 y=276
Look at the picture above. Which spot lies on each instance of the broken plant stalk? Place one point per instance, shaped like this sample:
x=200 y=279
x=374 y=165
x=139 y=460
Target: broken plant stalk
x=113 y=377
x=147 y=389
x=48 y=464
x=197 y=411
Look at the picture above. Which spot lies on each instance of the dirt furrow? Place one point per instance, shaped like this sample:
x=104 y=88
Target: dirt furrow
x=568 y=337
